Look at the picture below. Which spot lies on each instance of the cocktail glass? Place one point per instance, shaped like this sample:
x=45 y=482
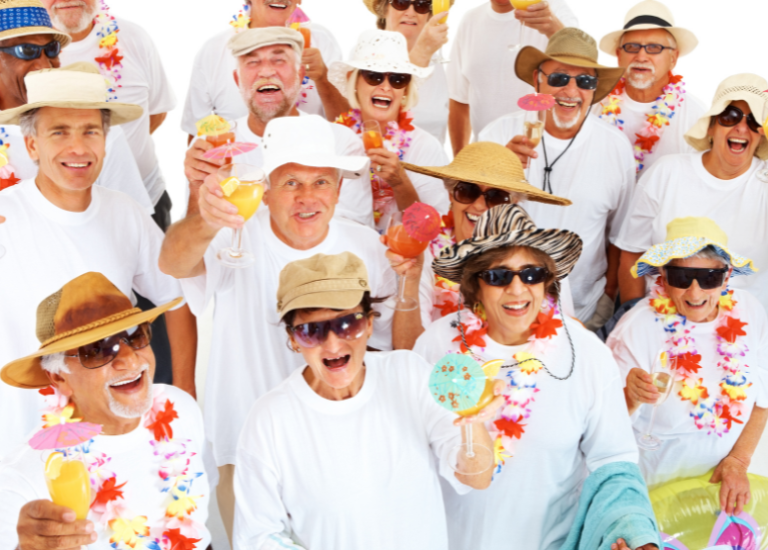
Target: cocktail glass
x=372 y=138
x=222 y=138
x=533 y=123
x=663 y=378
x=68 y=483
x=243 y=186
x=307 y=34
x=439 y=6
x=400 y=242
x=520 y=5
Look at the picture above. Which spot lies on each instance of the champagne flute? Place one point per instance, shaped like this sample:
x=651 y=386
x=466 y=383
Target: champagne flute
x=663 y=378
x=400 y=242
x=440 y=6
x=243 y=186
x=520 y=5
x=534 y=130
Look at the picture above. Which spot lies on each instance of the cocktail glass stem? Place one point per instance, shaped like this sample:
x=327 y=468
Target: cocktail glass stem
x=470 y=443
x=237 y=243
x=649 y=429
x=401 y=288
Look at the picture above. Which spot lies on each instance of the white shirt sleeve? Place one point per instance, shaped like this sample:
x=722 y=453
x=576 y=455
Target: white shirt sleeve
x=458 y=84
x=636 y=233
x=356 y=198
x=120 y=171
x=623 y=346
x=198 y=291
x=198 y=103
x=499 y=131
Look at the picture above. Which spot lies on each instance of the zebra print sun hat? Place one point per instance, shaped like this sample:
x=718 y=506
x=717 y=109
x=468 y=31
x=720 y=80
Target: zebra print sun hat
x=504 y=226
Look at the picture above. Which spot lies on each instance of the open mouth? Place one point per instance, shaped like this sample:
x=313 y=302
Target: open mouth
x=381 y=102
x=307 y=216
x=696 y=305
x=278 y=5
x=336 y=363
x=473 y=218
x=737 y=145
x=268 y=89
x=516 y=309
x=76 y=165
x=568 y=104
x=129 y=384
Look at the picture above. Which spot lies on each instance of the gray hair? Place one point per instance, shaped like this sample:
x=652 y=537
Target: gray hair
x=514 y=196
x=56 y=363
x=28 y=122
x=710 y=253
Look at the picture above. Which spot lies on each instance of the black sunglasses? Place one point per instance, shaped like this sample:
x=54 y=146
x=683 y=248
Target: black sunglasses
x=683 y=277
x=467 y=193
x=30 y=52
x=501 y=276
x=103 y=352
x=560 y=80
x=348 y=327
x=733 y=115
x=419 y=6
x=397 y=80
x=650 y=49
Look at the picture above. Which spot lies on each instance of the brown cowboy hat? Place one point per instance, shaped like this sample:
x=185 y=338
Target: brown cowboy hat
x=85 y=310
x=573 y=47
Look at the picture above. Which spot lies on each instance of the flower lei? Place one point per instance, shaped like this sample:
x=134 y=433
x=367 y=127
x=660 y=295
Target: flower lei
x=521 y=383
x=397 y=139
x=177 y=530
x=715 y=413
x=7 y=171
x=657 y=119
x=109 y=61
x=446 y=292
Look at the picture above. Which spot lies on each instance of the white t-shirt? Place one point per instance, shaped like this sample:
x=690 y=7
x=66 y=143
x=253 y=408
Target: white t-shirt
x=47 y=247
x=575 y=427
x=212 y=87
x=119 y=171
x=352 y=474
x=672 y=142
x=597 y=174
x=143 y=82
x=678 y=186
x=249 y=354
x=687 y=451
x=431 y=112
x=355 y=200
x=132 y=461
x=482 y=68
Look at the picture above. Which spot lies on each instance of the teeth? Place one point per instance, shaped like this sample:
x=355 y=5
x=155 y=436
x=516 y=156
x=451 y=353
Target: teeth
x=306 y=215
x=124 y=382
x=566 y=104
x=269 y=88
x=473 y=218
x=735 y=140
x=516 y=307
x=73 y=165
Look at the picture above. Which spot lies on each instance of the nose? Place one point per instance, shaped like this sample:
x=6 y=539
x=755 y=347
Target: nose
x=480 y=204
x=333 y=343
x=516 y=287
x=126 y=359
x=42 y=62
x=642 y=56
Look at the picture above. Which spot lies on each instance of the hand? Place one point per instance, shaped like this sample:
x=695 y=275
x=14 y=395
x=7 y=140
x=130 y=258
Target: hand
x=386 y=165
x=404 y=267
x=44 y=525
x=432 y=37
x=314 y=66
x=523 y=148
x=734 y=488
x=621 y=544
x=217 y=211
x=196 y=166
x=640 y=387
x=2 y=219
x=489 y=411
x=539 y=17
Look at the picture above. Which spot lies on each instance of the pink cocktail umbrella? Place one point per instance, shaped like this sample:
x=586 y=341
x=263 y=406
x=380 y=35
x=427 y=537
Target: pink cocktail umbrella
x=298 y=16
x=421 y=222
x=62 y=431
x=229 y=150
x=536 y=102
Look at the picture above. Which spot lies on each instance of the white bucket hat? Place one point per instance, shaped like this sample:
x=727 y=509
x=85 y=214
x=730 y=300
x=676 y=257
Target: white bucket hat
x=745 y=87
x=307 y=140
x=650 y=14
x=379 y=51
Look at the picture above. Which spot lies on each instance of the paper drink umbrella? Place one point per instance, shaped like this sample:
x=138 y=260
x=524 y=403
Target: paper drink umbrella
x=421 y=222
x=62 y=431
x=229 y=150
x=536 y=102
x=298 y=16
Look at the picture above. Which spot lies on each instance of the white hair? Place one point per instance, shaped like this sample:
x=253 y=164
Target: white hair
x=709 y=253
x=28 y=122
x=56 y=363
x=350 y=92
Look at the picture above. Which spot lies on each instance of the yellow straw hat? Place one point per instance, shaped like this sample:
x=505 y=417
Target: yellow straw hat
x=27 y=18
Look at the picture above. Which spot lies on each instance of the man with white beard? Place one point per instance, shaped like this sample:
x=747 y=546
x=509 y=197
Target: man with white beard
x=650 y=104
x=577 y=157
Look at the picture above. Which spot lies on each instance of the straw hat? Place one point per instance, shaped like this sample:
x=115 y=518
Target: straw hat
x=746 y=87
x=504 y=226
x=77 y=86
x=491 y=164
x=374 y=5
x=27 y=18
x=573 y=47
x=650 y=14
x=686 y=237
x=85 y=310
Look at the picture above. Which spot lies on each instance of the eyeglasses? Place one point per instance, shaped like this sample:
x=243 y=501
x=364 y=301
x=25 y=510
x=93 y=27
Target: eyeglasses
x=560 y=80
x=683 y=277
x=733 y=115
x=397 y=80
x=98 y=354
x=501 y=276
x=467 y=193
x=650 y=49
x=419 y=6
x=30 y=52
x=348 y=327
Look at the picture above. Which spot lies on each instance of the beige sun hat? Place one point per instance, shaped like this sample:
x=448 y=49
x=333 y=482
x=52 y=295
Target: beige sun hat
x=745 y=87
x=252 y=39
x=650 y=14
x=77 y=86
x=27 y=18
x=573 y=47
x=491 y=164
x=376 y=7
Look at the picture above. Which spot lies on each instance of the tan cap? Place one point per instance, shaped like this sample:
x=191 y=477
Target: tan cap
x=252 y=39
x=322 y=281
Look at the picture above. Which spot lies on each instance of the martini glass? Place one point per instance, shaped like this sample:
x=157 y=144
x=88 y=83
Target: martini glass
x=520 y=5
x=244 y=187
x=663 y=378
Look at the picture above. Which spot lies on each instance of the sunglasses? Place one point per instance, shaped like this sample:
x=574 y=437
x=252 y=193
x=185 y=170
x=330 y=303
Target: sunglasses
x=397 y=80
x=348 y=327
x=650 y=49
x=98 y=354
x=467 y=193
x=683 y=277
x=419 y=6
x=501 y=276
x=30 y=52
x=733 y=115
x=560 y=80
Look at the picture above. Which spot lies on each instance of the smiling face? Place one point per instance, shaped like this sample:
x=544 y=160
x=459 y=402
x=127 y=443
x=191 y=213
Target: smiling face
x=697 y=305
x=408 y=22
x=465 y=216
x=381 y=103
x=13 y=91
x=734 y=146
x=272 y=13
x=71 y=16
x=572 y=103
x=644 y=70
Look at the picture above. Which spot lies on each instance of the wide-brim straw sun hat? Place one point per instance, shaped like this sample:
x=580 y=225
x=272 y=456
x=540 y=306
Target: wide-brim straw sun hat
x=745 y=87
x=378 y=51
x=491 y=164
x=376 y=7
x=77 y=86
x=573 y=47
x=27 y=18
x=650 y=14
x=505 y=226
x=87 y=309
x=686 y=237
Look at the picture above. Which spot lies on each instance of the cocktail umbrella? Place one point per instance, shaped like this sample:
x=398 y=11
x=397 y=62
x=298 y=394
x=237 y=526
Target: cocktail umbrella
x=536 y=102
x=229 y=150
x=421 y=221
x=61 y=431
x=457 y=382
x=298 y=16
x=212 y=125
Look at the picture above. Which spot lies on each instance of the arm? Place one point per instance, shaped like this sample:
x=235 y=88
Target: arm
x=182 y=336
x=612 y=275
x=314 y=66
x=459 y=125
x=540 y=18
x=155 y=121
x=196 y=169
x=406 y=325
x=433 y=36
x=394 y=174
x=629 y=286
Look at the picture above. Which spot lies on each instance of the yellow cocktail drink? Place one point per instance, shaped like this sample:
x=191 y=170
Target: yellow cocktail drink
x=523 y=4
x=247 y=197
x=68 y=484
x=439 y=6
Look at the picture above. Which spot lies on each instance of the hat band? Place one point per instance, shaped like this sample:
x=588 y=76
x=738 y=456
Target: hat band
x=89 y=326
x=647 y=20
x=14 y=18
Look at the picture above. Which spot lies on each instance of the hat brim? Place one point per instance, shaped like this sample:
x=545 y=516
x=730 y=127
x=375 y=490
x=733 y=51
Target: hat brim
x=121 y=112
x=337 y=299
x=661 y=254
x=466 y=174
x=686 y=40
x=351 y=167
x=28 y=373
x=529 y=59
x=338 y=71
x=61 y=37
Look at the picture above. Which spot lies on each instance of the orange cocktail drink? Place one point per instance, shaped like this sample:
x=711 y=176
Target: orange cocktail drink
x=372 y=139
x=439 y=6
x=400 y=242
x=307 y=34
x=247 y=198
x=68 y=484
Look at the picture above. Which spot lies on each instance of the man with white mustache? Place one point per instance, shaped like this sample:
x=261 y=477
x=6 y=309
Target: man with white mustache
x=651 y=104
x=578 y=158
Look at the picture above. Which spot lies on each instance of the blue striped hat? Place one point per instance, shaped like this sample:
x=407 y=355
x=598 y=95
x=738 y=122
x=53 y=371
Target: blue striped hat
x=26 y=18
